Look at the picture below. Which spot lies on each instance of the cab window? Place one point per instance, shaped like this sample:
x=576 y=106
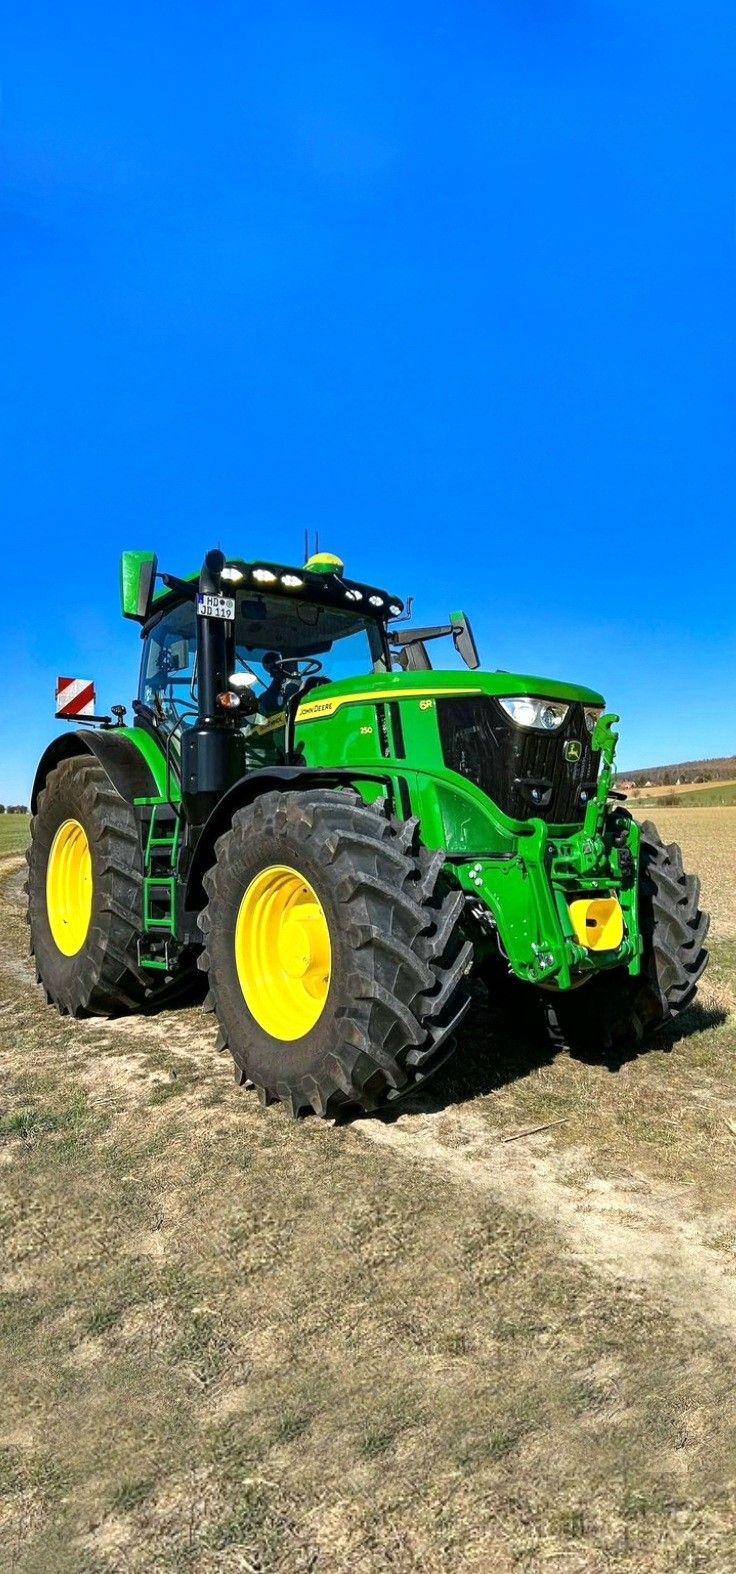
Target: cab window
x=286 y=644
x=169 y=667
x=283 y=643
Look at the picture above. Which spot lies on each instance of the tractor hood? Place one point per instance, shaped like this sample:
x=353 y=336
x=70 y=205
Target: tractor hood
x=426 y=685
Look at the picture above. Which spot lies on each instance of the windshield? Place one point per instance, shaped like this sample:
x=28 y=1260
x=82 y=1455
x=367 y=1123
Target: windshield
x=285 y=644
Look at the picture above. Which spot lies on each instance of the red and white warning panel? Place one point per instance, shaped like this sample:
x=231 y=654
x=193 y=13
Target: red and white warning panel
x=74 y=697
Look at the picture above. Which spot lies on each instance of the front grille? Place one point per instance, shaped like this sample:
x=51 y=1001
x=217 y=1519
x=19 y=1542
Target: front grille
x=525 y=772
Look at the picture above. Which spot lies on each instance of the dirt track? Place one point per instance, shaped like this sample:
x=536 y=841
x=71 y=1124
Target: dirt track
x=230 y=1342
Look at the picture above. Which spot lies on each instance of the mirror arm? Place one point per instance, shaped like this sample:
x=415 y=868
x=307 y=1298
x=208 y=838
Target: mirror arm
x=412 y=639
x=418 y=636
x=183 y=586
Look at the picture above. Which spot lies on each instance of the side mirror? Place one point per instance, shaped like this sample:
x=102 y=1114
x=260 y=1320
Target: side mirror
x=137 y=579
x=464 y=640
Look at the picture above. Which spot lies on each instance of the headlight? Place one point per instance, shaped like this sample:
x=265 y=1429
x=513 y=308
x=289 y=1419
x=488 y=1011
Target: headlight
x=592 y=712
x=545 y=715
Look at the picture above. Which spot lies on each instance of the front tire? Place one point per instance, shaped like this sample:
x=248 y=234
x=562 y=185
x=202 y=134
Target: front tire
x=85 y=892
x=613 y=1008
x=334 y=952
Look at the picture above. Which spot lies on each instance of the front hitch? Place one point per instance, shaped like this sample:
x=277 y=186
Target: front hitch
x=604 y=739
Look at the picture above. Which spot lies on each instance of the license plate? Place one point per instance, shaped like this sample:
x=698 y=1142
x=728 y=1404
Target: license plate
x=216 y=607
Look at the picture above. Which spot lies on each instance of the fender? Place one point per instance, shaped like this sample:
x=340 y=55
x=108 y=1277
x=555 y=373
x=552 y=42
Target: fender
x=279 y=778
x=120 y=759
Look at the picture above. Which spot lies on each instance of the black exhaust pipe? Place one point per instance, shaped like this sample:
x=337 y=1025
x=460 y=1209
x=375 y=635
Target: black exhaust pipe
x=212 y=751
x=212 y=673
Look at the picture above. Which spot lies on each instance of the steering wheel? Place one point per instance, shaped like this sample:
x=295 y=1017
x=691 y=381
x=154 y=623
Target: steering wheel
x=298 y=667
x=305 y=673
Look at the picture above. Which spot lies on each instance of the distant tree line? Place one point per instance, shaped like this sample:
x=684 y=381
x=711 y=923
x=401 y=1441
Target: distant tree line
x=14 y=808
x=688 y=773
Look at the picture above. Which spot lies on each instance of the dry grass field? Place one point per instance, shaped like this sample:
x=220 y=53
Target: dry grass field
x=232 y=1343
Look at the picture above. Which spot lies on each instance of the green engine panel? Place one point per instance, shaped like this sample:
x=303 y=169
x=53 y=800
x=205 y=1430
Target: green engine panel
x=521 y=875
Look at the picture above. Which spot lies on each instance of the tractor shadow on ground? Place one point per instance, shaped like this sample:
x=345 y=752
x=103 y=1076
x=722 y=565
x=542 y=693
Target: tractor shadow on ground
x=500 y=1045
x=180 y=994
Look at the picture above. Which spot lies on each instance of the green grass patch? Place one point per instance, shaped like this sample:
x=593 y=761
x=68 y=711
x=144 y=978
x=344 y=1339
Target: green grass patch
x=130 y=1493
x=101 y=1318
x=20 y=1313
x=290 y=1427
x=163 y=1091
x=201 y=1345
x=640 y=1504
x=27 y=1123
x=487 y=1446
x=30 y=1123
x=14 y=833
x=20 y=1471
x=250 y=1526
x=376 y=1441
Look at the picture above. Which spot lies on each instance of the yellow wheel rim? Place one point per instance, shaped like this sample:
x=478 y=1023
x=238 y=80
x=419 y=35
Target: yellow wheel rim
x=283 y=952
x=69 y=887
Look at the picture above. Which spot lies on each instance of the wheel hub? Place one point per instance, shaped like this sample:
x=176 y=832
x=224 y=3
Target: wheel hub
x=69 y=887
x=283 y=952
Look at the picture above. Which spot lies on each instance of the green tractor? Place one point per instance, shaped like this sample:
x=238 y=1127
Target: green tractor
x=338 y=836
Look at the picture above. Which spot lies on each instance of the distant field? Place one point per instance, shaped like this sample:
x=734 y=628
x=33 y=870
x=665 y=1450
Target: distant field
x=657 y=788
x=708 y=842
x=13 y=832
x=703 y=796
x=714 y=796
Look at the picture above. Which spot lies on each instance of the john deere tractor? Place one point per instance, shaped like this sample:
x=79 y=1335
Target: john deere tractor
x=338 y=835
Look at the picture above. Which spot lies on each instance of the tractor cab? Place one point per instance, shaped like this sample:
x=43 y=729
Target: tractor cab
x=286 y=632
x=264 y=635
x=279 y=648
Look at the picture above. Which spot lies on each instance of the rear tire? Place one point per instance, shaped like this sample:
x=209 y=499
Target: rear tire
x=101 y=977
x=614 y=1008
x=396 y=989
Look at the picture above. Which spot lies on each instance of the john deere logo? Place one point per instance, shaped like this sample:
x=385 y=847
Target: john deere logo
x=573 y=751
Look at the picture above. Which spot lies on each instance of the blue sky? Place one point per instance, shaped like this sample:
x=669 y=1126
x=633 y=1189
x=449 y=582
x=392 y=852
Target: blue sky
x=453 y=284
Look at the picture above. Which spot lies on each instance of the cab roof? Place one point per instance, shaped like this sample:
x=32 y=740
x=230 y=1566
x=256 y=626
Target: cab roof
x=325 y=583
